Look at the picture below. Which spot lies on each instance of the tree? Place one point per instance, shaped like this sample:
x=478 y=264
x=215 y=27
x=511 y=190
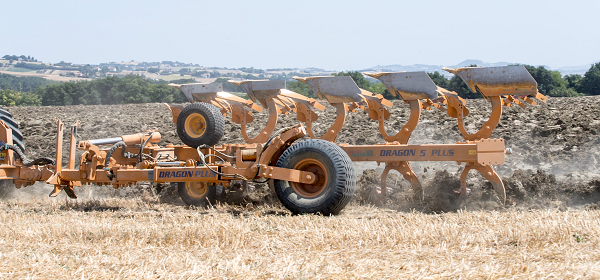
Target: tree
x=184 y=71
x=153 y=70
x=547 y=80
x=358 y=78
x=564 y=92
x=87 y=70
x=108 y=91
x=23 y=84
x=10 y=57
x=379 y=88
x=363 y=83
x=196 y=73
x=227 y=86
x=457 y=85
x=183 y=81
x=9 y=97
x=250 y=77
x=438 y=79
x=590 y=83
x=301 y=88
x=573 y=81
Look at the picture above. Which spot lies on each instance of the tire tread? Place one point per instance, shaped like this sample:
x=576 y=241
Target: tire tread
x=14 y=126
x=345 y=177
x=215 y=125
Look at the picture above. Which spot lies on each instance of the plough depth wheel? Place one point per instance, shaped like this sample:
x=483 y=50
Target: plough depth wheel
x=200 y=123
x=200 y=194
x=332 y=189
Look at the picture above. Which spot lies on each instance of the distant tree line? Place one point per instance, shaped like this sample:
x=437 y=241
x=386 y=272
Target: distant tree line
x=23 y=84
x=9 y=97
x=17 y=57
x=16 y=91
x=42 y=66
x=108 y=91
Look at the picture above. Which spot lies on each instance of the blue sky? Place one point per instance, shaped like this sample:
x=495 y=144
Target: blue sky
x=334 y=35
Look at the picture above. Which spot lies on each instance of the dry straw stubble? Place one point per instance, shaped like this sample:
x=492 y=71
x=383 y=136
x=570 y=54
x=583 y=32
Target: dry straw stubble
x=129 y=238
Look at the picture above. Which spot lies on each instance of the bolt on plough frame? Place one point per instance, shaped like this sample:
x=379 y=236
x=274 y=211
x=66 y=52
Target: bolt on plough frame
x=309 y=176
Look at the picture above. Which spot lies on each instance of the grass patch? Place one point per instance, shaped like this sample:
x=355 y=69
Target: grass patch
x=172 y=77
x=18 y=69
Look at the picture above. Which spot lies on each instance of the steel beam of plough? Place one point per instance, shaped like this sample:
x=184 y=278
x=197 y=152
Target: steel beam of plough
x=484 y=152
x=480 y=155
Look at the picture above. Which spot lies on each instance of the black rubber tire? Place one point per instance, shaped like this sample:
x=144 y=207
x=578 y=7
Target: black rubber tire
x=5 y=113
x=213 y=195
x=215 y=125
x=16 y=133
x=340 y=183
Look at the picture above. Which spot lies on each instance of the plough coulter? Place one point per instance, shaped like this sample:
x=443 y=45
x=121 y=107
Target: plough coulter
x=311 y=175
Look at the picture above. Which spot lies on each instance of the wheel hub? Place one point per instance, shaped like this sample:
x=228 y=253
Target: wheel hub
x=196 y=190
x=195 y=125
x=320 y=183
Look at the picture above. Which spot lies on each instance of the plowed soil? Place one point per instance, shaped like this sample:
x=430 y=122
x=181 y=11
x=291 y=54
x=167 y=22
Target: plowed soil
x=554 y=164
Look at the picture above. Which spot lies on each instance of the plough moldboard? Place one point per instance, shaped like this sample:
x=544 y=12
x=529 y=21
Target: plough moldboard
x=309 y=176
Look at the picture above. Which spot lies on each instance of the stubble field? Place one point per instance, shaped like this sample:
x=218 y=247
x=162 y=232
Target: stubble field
x=549 y=227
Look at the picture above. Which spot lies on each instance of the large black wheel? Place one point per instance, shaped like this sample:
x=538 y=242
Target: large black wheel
x=335 y=183
x=199 y=124
x=16 y=133
x=200 y=194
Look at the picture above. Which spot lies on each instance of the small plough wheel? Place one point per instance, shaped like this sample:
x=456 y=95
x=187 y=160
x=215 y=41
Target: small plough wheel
x=200 y=123
x=333 y=187
x=200 y=194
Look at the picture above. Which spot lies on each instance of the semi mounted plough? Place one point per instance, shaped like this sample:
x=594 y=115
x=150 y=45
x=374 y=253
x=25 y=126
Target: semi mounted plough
x=309 y=176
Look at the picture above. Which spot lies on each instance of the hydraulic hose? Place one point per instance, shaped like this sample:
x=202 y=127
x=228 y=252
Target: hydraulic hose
x=23 y=158
x=144 y=143
x=112 y=150
x=265 y=147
